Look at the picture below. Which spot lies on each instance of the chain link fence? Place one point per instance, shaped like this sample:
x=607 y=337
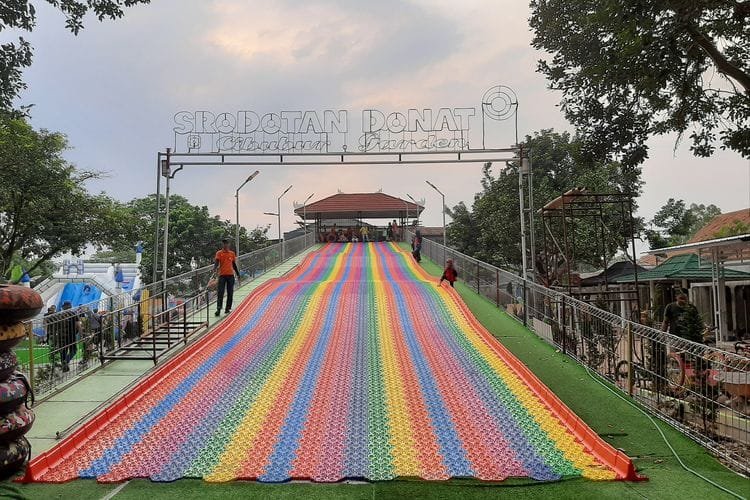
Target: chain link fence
x=700 y=389
x=63 y=346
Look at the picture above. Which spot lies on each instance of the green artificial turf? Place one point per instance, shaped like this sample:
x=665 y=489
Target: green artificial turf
x=616 y=421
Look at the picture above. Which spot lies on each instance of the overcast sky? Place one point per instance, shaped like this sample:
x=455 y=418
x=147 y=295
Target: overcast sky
x=115 y=88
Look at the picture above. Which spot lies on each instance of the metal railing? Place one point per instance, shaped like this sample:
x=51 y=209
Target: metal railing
x=699 y=389
x=68 y=344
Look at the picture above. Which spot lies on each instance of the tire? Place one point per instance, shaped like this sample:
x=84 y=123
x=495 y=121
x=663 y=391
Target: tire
x=14 y=392
x=13 y=456
x=18 y=303
x=15 y=424
x=8 y=363
x=11 y=334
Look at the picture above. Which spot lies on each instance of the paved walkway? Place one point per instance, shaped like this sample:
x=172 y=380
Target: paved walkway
x=59 y=414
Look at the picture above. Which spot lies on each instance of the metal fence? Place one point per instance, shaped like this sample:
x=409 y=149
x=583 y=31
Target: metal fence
x=65 y=345
x=699 y=389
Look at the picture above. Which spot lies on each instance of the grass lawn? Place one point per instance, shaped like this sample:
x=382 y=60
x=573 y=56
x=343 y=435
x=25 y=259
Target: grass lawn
x=612 y=418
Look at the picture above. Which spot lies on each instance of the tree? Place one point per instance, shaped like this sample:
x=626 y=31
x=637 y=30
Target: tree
x=21 y=15
x=630 y=70
x=193 y=233
x=463 y=232
x=45 y=209
x=491 y=231
x=675 y=223
x=736 y=228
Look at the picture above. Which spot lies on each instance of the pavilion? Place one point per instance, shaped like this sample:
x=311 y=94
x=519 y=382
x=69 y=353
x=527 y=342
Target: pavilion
x=358 y=207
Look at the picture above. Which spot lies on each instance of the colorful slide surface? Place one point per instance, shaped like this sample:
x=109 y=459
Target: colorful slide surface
x=353 y=366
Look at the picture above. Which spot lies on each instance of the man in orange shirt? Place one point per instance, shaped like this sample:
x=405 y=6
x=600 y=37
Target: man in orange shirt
x=226 y=263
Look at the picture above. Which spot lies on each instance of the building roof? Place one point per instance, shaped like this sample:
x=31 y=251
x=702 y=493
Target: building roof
x=613 y=272
x=729 y=248
x=685 y=266
x=708 y=232
x=360 y=206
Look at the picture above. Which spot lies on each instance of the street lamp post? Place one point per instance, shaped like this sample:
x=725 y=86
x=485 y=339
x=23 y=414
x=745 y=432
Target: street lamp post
x=416 y=203
x=237 y=207
x=304 y=212
x=445 y=241
x=278 y=210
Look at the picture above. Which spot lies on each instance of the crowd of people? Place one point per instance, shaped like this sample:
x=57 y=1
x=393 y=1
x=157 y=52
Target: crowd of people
x=360 y=233
x=64 y=331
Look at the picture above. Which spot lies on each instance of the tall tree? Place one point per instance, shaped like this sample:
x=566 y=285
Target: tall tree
x=675 y=223
x=193 y=233
x=21 y=15
x=45 y=209
x=491 y=231
x=630 y=70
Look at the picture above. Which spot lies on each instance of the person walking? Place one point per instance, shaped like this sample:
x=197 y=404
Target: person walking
x=416 y=246
x=226 y=264
x=449 y=274
x=66 y=341
x=681 y=318
x=49 y=324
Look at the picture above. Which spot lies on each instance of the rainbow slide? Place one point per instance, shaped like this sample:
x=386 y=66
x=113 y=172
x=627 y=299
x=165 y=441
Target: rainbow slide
x=355 y=365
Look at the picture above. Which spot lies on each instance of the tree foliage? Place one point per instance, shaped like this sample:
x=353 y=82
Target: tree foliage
x=21 y=15
x=630 y=70
x=675 y=223
x=45 y=209
x=193 y=233
x=735 y=228
x=491 y=230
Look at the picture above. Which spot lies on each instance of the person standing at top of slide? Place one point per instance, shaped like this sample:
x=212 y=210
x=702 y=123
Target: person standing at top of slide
x=226 y=263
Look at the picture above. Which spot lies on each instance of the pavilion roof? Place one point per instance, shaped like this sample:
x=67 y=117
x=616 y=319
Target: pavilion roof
x=360 y=206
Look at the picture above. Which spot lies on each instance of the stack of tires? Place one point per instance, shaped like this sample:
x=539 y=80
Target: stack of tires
x=17 y=303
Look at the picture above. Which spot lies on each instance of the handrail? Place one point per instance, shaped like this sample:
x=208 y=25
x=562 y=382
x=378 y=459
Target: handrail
x=69 y=350
x=126 y=298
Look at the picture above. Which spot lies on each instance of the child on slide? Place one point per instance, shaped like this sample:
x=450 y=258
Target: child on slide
x=450 y=274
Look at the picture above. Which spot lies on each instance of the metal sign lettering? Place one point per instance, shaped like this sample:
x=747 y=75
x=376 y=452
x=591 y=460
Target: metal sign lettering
x=331 y=131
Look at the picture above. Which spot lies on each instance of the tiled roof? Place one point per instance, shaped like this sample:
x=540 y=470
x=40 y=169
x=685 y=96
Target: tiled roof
x=708 y=232
x=685 y=266
x=361 y=205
